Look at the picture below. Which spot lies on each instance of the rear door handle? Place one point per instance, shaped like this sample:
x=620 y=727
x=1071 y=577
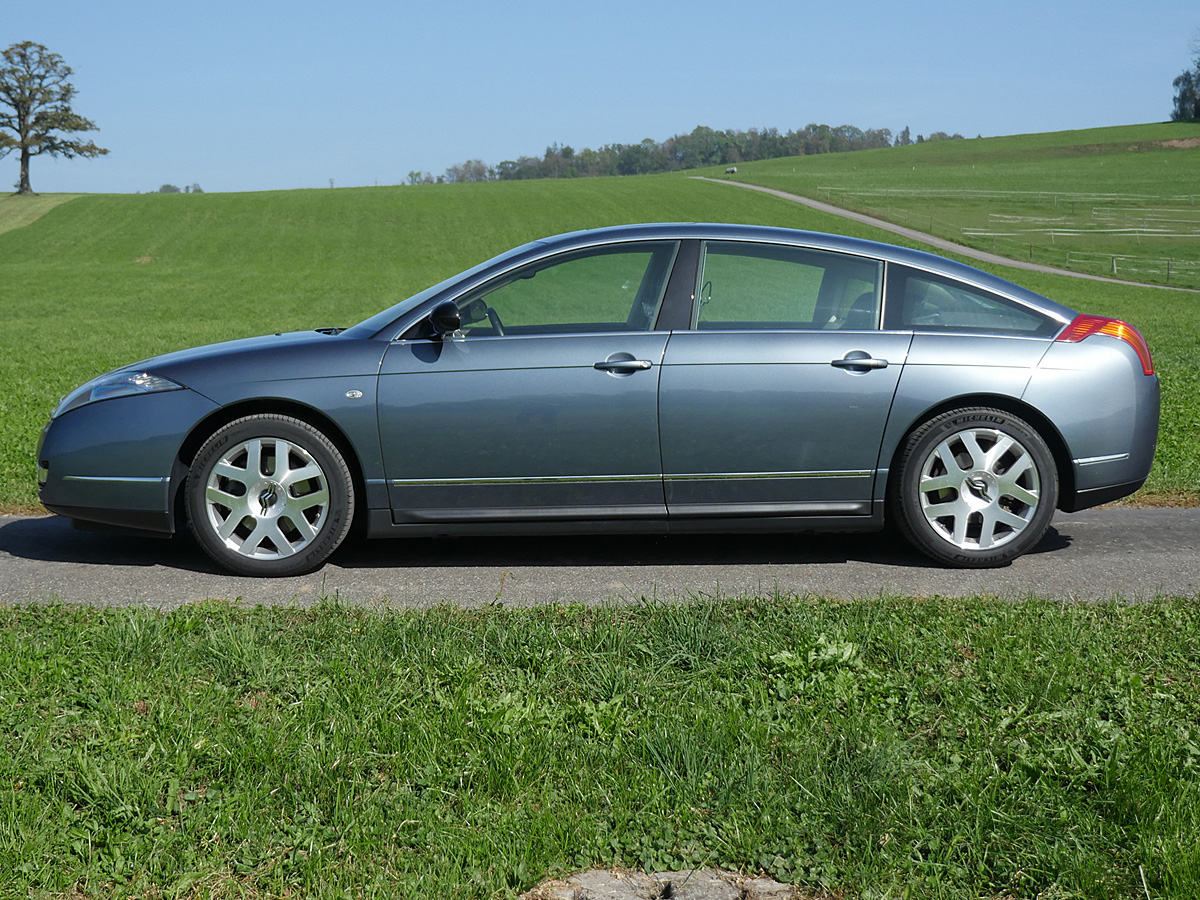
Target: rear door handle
x=859 y=362
x=622 y=365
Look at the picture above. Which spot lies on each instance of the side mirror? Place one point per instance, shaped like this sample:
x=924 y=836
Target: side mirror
x=445 y=318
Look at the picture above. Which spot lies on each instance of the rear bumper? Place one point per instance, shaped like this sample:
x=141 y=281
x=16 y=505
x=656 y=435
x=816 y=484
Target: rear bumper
x=1095 y=496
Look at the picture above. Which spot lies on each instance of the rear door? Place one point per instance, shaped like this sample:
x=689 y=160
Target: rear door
x=775 y=402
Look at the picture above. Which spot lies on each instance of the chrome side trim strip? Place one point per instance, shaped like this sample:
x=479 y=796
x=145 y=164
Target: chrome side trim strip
x=532 y=479
x=1097 y=460
x=117 y=479
x=742 y=476
x=594 y=479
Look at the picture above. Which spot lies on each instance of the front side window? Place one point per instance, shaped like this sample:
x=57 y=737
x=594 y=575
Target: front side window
x=616 y=288
x=922 y=301
x=744 y=285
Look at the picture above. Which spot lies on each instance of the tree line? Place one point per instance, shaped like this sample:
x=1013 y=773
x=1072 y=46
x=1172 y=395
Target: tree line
x=702 y=147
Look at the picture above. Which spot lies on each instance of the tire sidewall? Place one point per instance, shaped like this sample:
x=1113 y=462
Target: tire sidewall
x=905 y=501
x=338 y=516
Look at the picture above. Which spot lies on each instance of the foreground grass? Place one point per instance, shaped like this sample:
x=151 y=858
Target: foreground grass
x=888 y=748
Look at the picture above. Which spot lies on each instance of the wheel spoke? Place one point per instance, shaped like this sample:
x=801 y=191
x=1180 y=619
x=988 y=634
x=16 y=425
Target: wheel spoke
x=987 y=531
x=254 y=459
x=970 y=441
x=226 y=528
x=1019 y=468
x=1018 y=493
x=231 y=472
x=224 y=498
x=297 y=476
x=301 y=524
x=998 y=452
x=948 y=457
x=308 y=501
x=956 y=507
x=940 y=482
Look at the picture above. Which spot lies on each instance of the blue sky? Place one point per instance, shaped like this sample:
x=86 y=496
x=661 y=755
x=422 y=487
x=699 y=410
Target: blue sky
x=263 y=95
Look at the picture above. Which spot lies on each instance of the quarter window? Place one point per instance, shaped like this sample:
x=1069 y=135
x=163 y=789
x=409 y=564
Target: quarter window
x=744 y=285
x=921 y=301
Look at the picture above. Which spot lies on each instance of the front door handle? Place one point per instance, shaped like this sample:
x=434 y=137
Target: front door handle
x=622 y=365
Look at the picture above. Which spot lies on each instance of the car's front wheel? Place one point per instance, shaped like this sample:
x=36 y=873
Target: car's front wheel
x=269 y=495
x=975 y=487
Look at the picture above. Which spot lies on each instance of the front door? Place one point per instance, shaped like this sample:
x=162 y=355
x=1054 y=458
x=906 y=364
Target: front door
x=544 y=406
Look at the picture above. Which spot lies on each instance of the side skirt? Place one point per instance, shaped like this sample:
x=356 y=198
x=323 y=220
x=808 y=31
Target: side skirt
x=380 y=524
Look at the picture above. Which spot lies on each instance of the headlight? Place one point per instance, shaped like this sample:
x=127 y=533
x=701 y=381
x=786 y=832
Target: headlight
x=114 y=384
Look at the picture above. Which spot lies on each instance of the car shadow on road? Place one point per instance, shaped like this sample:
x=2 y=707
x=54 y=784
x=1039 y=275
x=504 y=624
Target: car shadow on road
x=53 y=539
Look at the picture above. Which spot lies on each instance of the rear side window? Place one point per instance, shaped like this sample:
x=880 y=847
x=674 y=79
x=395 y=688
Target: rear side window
x=921 y=301
x=745 y=285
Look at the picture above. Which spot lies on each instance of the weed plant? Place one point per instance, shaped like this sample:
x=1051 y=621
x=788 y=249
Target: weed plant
x=886 y=748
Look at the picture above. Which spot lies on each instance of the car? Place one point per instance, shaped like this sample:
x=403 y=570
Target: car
x=651 y=378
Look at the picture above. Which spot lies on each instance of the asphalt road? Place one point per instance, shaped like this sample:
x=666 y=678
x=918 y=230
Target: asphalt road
x=1133 y=554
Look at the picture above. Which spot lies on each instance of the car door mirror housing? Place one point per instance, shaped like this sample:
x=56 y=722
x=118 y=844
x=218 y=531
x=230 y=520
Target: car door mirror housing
x=445 y=318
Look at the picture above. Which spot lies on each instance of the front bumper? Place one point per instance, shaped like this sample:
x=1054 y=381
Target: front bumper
x=115 y=462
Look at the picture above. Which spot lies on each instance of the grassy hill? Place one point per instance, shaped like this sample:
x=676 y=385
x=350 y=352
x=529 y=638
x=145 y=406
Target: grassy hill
x=1122 y=201
x=102 y=280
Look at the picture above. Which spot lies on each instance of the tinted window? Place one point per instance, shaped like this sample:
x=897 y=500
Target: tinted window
x=745 y=285
x=608 y=289
x=924 y=302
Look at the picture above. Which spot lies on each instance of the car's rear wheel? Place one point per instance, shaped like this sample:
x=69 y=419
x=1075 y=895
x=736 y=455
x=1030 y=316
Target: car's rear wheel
x=270 y=495
x=975 y=487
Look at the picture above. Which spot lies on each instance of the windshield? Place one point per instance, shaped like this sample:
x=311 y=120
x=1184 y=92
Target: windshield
x=381 y=320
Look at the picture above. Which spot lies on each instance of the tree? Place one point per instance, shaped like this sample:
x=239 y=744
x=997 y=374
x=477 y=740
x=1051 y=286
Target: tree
x=1187 y=96
x=1187 y=89
x=35 y=109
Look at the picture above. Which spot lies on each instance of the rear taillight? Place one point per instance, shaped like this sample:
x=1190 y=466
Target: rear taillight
x=1086 y=326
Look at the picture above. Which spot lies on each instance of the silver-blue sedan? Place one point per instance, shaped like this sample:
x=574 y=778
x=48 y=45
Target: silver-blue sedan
x=646 y=378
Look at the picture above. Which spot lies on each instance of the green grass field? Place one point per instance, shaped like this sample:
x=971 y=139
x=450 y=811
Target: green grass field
x=104 y=280
x=887 y=748
x=1109 y=201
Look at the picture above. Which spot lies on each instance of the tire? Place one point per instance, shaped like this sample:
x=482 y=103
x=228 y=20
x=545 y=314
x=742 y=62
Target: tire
x=257 y=517
x=975 y=488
